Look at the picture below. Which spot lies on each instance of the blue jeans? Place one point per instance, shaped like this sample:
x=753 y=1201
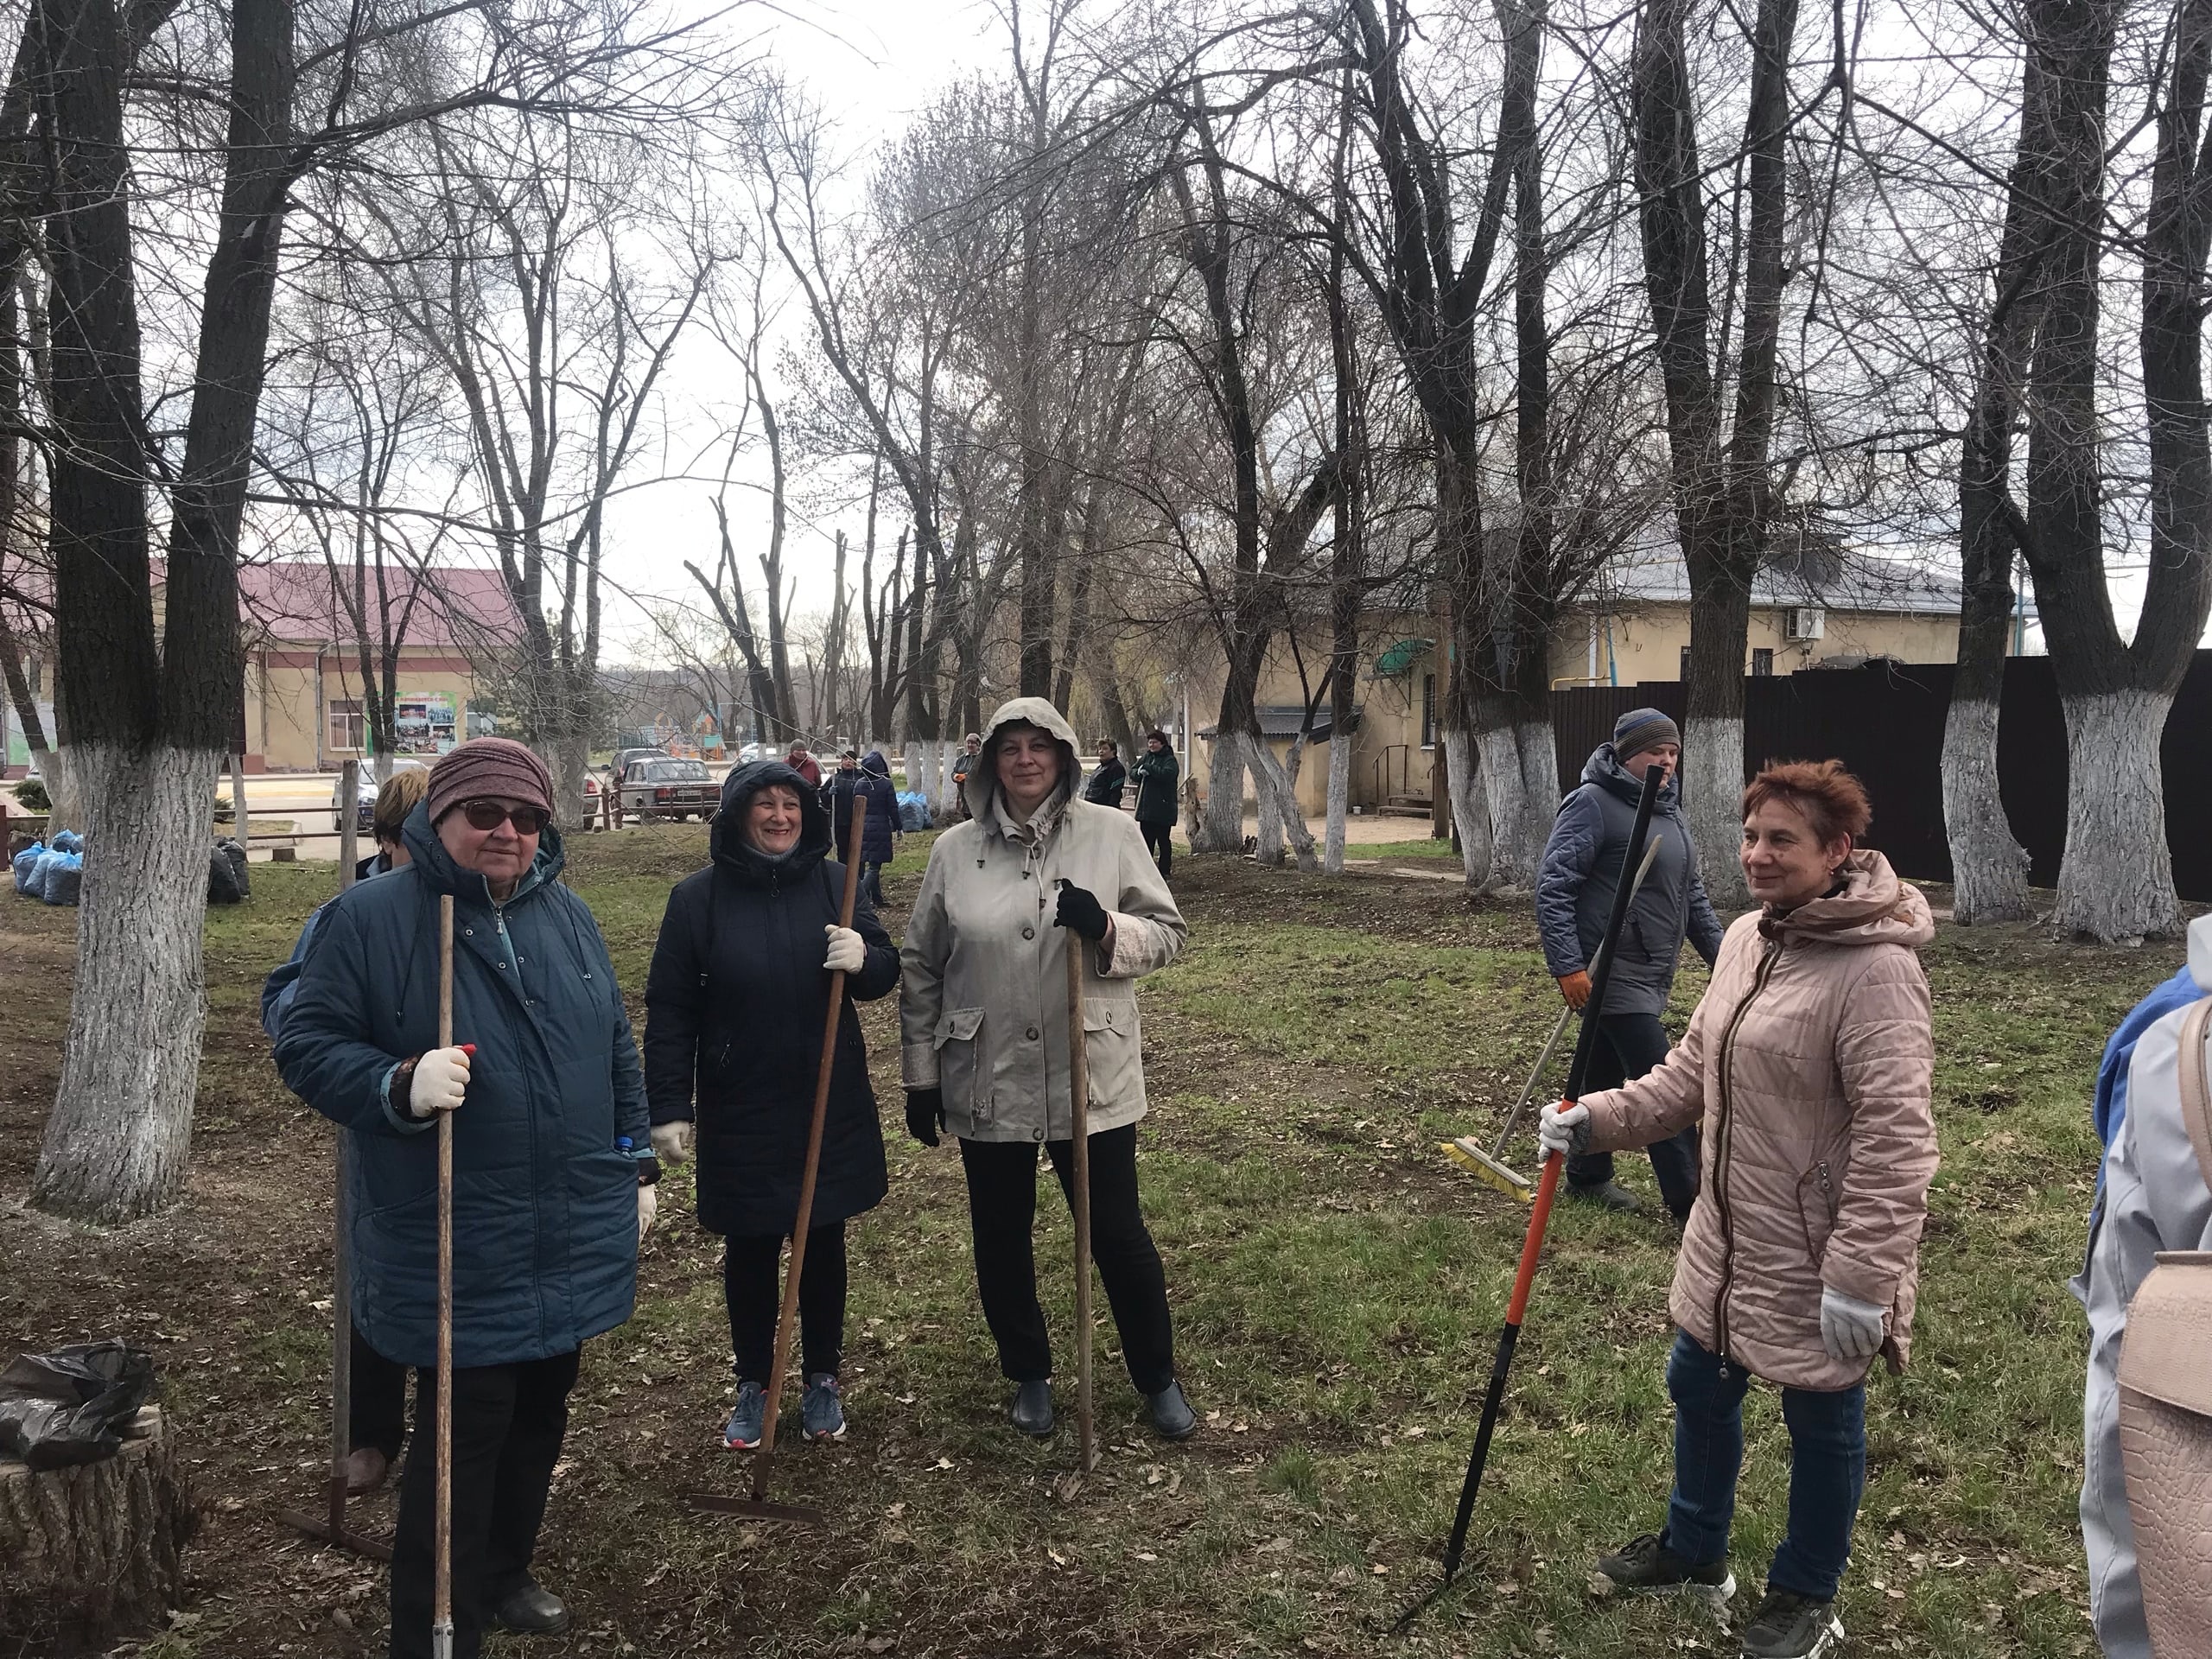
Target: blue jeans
x=1827 y=1470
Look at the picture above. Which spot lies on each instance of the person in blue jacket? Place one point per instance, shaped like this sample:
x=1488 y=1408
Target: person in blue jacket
x=1574 y=896
x=878 y=844
x=552 y=1161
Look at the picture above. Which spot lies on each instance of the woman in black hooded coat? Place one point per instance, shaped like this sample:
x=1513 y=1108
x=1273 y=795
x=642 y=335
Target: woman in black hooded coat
x=735 y=1007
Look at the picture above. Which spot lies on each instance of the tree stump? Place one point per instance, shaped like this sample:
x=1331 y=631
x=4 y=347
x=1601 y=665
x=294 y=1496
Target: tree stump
x=90 y=1554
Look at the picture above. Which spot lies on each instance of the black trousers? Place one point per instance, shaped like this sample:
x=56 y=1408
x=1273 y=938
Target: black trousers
x=752 y=1291
x=508 y=1421
x=1160 y=839
x=377 y=1400
x=1629 y=1045
x=1002 y=1212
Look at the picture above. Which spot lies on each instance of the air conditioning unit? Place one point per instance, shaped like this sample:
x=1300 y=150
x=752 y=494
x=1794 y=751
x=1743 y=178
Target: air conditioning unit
x=1804 y=622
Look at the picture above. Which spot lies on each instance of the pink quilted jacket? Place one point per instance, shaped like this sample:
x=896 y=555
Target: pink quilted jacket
x=1807 y=1065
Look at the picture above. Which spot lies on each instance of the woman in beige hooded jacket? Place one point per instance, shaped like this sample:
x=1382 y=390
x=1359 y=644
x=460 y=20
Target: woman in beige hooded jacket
x=984 y=1015
x=1807 y=1064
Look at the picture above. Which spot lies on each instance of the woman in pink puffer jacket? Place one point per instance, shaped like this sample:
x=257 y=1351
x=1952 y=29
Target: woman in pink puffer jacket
x=1807 y=1065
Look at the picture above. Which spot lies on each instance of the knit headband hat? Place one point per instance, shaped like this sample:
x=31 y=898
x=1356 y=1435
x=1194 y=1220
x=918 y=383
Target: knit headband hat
x=488 y=768
x=1642 y=728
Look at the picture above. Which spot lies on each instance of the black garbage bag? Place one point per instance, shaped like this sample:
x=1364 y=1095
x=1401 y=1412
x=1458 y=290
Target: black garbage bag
x=226 y=879
x=71 y=1404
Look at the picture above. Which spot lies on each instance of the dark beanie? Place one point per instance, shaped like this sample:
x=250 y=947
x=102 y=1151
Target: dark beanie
x=488 y=768
x=1642 y=728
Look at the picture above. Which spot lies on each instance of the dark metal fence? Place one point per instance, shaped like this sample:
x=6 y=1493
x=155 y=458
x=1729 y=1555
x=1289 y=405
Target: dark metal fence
x=1885 y=722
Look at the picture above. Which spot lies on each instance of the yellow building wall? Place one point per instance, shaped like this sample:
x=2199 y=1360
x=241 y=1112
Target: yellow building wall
x=1647 y=643
x=290 y=721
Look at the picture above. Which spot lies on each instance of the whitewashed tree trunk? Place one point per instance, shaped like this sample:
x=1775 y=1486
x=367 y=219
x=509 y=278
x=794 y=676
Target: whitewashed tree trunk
x=1520 y=778
x=1989 y=868
x=947 y=793
x=1276 y=784
x=1221 y=829
x=1712 y=783
x=1268 y=844
x=59 y=776
x=1333 y=851
x=2116 y=884
x=120 y=1133
x=239 y=821
x=913 y=760
x=1470 y=805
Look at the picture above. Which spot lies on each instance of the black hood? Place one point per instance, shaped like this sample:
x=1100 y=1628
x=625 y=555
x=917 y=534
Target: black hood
x=740 y=856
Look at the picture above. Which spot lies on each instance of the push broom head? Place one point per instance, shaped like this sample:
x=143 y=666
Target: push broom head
x=1487 y=1169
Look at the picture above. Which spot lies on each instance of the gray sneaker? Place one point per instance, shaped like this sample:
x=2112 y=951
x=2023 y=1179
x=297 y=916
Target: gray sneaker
x=1645 y=1566
x=822 y=1411
x=1791 y=1626
x=742 y=1432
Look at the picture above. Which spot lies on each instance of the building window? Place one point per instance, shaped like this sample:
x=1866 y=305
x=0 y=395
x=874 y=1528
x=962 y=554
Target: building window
x=1762 y=664
x=1428 y=711
x=1686 y=664
x=347 y=726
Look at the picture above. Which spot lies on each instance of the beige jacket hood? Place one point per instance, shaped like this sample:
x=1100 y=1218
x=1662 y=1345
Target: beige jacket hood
x=1807 y=1065
x=983 y=996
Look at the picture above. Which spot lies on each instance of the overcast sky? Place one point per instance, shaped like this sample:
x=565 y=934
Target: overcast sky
x=870 y=64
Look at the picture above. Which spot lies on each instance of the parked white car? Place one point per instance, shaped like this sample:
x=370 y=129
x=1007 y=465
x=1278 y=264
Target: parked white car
x=670 y=789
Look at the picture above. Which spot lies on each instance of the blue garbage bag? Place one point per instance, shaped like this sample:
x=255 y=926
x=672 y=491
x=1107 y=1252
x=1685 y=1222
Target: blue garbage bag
x=68 y=840
x=913 y=811
x=64 y=877
x=23 y=864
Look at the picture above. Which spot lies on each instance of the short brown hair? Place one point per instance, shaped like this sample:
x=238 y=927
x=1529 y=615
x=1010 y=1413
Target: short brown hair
x=1833 y=801
x=396 y=797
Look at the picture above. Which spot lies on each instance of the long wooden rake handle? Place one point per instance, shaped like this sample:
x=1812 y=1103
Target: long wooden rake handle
x=787 y=1316
x=1079 y=1153
x=441 y=1584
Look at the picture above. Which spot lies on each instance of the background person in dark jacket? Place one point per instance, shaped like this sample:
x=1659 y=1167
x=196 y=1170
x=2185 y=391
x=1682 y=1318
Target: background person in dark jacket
x=1574 y=894
x=734 y=1009
x=1104 y=784
x=551 y=1161
x=1155 y=775
x=837 y=799
x=878 y=844
x=376 y=1417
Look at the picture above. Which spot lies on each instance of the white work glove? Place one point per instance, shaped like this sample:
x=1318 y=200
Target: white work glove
x=1564 y=1128
x=672 y=1142
x=1850 y=1329
x=440 y=1080
x=848 y=950
x=648 y=1207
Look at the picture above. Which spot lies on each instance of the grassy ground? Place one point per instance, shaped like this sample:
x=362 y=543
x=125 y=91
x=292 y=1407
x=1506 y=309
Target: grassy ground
x=1337 y=1290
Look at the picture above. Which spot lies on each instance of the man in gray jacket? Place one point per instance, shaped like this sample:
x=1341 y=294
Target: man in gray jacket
x=2154 y=1200
x=1574 y=895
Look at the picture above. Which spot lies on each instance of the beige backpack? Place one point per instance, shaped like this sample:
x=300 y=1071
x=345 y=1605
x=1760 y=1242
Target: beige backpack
x=2166 y=1407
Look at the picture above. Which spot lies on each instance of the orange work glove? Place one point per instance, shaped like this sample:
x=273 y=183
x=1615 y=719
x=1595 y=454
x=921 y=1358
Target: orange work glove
x=1575 y=987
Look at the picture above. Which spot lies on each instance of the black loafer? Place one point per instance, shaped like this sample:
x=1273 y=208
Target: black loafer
x=528 y=1610
x=1172 y=1416
x=1033 y=1408
x=1609 y=1194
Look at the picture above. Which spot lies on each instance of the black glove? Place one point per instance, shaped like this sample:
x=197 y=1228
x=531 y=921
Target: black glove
x=925 y=1114
x=1080 y=912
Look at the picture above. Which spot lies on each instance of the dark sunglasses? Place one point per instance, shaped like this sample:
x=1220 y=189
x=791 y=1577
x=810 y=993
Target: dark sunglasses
x=486 y=815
